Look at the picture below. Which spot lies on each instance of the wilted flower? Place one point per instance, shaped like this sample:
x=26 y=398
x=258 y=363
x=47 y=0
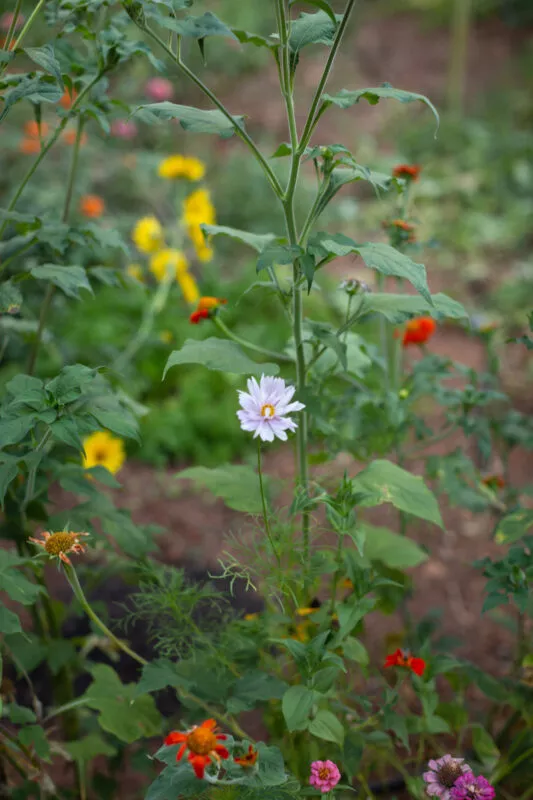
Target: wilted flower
x=91 y=205
x=124 y=129
x=60 y=543
x=419 y=331
x=352 y=286
x=181 y=167
x=148 y=235
x=103 y=450
x=202 y=742
x=408 y=171
x=248 y=759
x=168 y=261
x=442 y=775
x=325 y=775
x=159 y=89
x=265 y=409
x=468 y=787
x=401 y=658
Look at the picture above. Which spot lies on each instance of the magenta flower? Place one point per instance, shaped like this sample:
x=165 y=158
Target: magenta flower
x=468 y=787
x=324 y=775
x=442 y=775
x=124 y=129
x=159 y=89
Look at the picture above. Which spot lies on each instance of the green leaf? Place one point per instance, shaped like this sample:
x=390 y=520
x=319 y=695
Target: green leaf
x=324 y=679
x=278 y=255
x=392 y=549
x=14 y=582
x=28 y=391
x=89 y=747
x=176 y=781
x=355 y=651
x=10 y=298
x=9 y=470
x=350 y=615
x=354 y=746
x=44 y=56
x=237 y=485
x=158 y=675
x=245 y=37
x=398 y=308
x=35 y=737
x=196 y=120
x=39 y=89
x=385 y=482
x=312 y=29
x=256 y=240
x=485 y=747
x=270 y=768
x=220 y=355
x=514 y=526
x=69 y=279
x=323 y=5
x=59 y=653
x=197 y=27
x=296 y=705
x=346 y=98
x=122 y=712
x=326 y=726
x=20 y=715
x=255 y=687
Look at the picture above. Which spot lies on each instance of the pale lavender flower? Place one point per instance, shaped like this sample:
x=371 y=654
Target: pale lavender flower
x=442 y=775
x=324 y=775
x=159 y=89
x=264 y=410
x=468 y=787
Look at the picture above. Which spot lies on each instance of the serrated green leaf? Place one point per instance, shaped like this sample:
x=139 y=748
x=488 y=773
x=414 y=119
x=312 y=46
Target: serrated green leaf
x=346 y=98
x=385 y=482
x=13 y=431
x=237 y=485
x=296 y=706
x=44 y=56
x=197 y=27
x=220 y=355
x=176 y=781
x=69 y=279
x=258 y=241
x=158 y=675
x=89 y=747
x=196 y=120
x=38 y=89
x=245 y=37
x=277 y=255
x=14 y=582
x=323 y=5
x=10 y=298
x=308 y=29
x=254 y=688
x=327 y=726
x=398 y=308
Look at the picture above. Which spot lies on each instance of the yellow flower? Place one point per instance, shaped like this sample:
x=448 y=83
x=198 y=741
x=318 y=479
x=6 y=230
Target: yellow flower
x=198 y=209
x=168 y=261
x=103 y=450
x=189 y=287
x=135 y=271
x=204 y=253
x=181 y=167
x=251 y=617
x=148 y=235
x=166 y=337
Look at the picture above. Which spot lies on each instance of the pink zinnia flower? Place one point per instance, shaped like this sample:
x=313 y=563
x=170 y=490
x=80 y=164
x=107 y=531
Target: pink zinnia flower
x=124 y=129
x=468 y=787
x=159 y=89
x=442 y=775
x=264 y=411
x=324 y=775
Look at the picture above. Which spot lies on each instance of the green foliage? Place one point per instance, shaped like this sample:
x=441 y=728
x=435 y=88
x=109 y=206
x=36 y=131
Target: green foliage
x=218 y=354
x=236 y=485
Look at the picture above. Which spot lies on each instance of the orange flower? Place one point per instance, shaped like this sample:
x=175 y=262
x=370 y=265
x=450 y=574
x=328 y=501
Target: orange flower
x=248 y=759
x=68 y=99
x=419 y=331
x=202 y=742
x=61 y=543
x=30 y=146
x=92 y=206
x=408 y=171
x=402 y=225
x=35 y=130
x=69 y=137
x=401 y=658
x=207 y=303
x=197 y=316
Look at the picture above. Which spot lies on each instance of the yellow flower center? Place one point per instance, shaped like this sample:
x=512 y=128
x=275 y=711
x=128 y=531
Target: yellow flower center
x=268 y=410
x=323 y=773
x=201 y=741
x=60 y=543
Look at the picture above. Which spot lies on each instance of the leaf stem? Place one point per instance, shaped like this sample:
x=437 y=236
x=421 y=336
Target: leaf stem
x=264 y=505
x=12 y=26
x=29 y=23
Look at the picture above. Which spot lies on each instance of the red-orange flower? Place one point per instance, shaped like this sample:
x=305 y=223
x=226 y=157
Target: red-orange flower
x=401 y=658
x=92 y=206
x=408 y=171
x=248 y=759
x=202 y=742
x=197 y=316
x=34 y=129
x=419 y=331
x=68 y=98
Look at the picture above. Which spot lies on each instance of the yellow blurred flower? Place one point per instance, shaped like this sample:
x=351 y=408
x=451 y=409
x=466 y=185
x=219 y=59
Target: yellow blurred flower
x=148 y=235
x=166 y=337
x=204 y=253
x=189 y=287
x=135 y=271
x=251 y=617
x=201 y=243
x=168 y=261
x=198 y=209
x=181 y=167
x=103 y=450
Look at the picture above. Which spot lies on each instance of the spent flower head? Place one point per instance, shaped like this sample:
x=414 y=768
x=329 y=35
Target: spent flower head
x=58 y=544
x=265 y=408
x=442 y=775
x=325 y=775
x=352 y=286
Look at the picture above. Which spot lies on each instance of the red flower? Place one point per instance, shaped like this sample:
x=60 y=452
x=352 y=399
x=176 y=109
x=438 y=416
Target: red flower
x=198 y=315
x=248 y=759
x=401 y=658
x=419 y=331
x=408 y=171
x=494 y=482
x=202 y=742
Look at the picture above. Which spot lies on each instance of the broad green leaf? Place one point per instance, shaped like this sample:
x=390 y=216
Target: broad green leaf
x=350 y=615
x=270 y=768
x=27 y=390
x=245 y=37
x=69 y=279
x=44 y=56
x=59 y=653
x=323 y=5
x=10 y=298
x=14 y=582
x=237 y=485
x=296 y=705
x=35 y=737
x=72 y=383
x=220 y=355
x=398 y=308
x=327 y=726
x=385 y=482
x=176 y=781
x=196 y=120
x=9 y=470
x=514 y=526
x=355 y=651
x=158 y=675
x=9 y=622
x=255 y=687
x=342 y=176
x=197 y=27
x=20 y=715
x=38 y=89
x=256 y=240
x=122 y=712
x=277 y=255
x=346 y=98
x=485 y=747
x=89 y=747
x=13 y=430
x=308 y=29
x=392 y=549
x=324 y=679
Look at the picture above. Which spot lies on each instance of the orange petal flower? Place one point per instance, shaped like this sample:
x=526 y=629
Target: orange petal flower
x=30 y=146
x=92 y=206
x=208 y=303
x=202 y=742
x=60 y=543
x=69 y=137
x=407 y=171
x=35 y=130
x=401 y=658
x=68 y=99
x=248 y=759
x=419 y=331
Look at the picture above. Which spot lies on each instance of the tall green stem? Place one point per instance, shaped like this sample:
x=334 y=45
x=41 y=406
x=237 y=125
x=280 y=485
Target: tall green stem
x=13 y=25
x=264 y=505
